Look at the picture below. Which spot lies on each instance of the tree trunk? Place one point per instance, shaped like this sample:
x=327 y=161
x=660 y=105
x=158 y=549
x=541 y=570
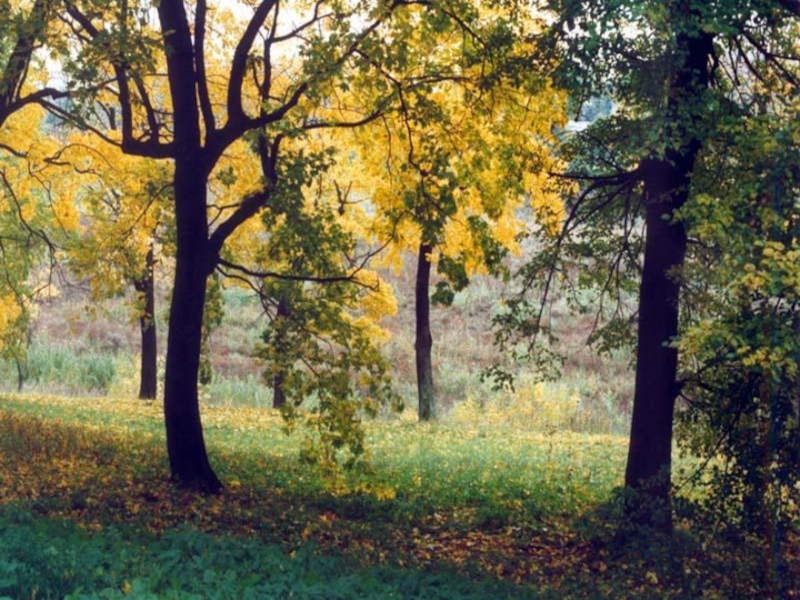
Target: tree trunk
x=666 y=189
x=424 y=340
x=148 y=373
x=186 y=447
x=185 y=444
x=278 y=393
x=650 y=450
x=22 y=374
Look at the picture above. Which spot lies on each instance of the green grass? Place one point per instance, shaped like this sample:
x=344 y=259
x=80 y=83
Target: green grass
x=443 y=510
x=500 y=472
x=43 y=558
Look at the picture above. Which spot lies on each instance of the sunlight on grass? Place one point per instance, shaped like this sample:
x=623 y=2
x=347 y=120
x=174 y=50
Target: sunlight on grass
x=501 y=471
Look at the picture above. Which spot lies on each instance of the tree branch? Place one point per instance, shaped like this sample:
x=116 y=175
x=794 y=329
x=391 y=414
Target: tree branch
x=236 y=113
x=200 y=67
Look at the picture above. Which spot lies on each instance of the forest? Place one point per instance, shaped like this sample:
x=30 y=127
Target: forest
x=399 y=298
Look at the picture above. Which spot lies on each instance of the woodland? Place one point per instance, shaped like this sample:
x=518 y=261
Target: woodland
x=514 y=287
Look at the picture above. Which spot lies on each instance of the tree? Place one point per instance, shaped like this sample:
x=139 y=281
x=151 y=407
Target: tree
x=271 y=95
x=324 y=349
x=35 y=221
x=739 y=381
x=26 y=225
x=663 y=66
x=457 y=162
x=125 y=205
x=666 y=182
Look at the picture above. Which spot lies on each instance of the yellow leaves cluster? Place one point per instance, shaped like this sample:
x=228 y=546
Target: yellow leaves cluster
x=379 y=300
x=32 y=184
x=498 y=156
x=10 y=312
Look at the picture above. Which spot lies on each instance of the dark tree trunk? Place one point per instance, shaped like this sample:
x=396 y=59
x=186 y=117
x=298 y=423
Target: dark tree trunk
x=187 y=451
x=650 y=451
x=22 y=373
x=148 y=373
x=666 y=188
x=278 y=393
x=188 y=458
x=424 y=340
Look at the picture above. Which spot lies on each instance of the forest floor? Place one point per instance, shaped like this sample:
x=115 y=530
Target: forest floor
x=470 y=509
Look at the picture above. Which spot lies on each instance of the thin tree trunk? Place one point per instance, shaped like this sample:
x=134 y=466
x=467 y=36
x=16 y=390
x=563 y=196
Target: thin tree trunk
x=666 y=189
x=21 y=373
x=424 y=340
x=278 y=393
x=148 y=373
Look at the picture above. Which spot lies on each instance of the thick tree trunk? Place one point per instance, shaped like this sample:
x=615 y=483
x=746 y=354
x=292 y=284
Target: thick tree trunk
x=148 y=373
x=424 y=340
x=666 y=189
x=650 y=450
x=278 y=393
x=185 y=444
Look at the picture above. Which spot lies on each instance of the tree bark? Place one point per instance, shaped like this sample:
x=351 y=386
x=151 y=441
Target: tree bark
x=186 y=447
x=185 y=443
x=148 y=373
x=650 y=450
x=666 y=189
x=278 y=393
x=424 y=340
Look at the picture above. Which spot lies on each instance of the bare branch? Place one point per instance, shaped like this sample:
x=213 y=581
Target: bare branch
x=239 y=63
x=200 y=66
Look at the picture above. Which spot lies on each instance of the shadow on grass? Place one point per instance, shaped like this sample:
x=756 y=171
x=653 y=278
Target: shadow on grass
x=45 y=558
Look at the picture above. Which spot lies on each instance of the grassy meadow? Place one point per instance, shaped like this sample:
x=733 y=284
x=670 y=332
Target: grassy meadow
x=454 y=510
x=507 y=495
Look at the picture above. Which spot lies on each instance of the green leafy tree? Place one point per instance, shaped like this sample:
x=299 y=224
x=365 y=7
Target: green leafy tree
x=740 y=371
x=324 y=305
x=666 y=67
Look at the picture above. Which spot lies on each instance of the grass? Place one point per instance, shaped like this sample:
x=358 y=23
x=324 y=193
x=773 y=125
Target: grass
x=48 y=559
x=508 y=495
x=470 y=508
